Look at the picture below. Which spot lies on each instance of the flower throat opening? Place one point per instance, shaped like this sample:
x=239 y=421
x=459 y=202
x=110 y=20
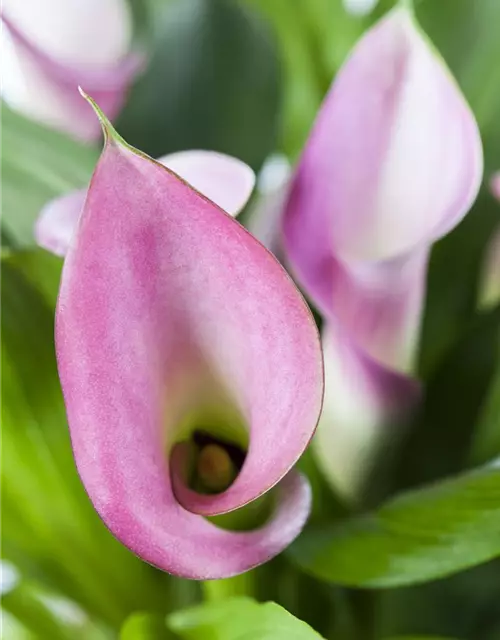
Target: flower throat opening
x=216 y=462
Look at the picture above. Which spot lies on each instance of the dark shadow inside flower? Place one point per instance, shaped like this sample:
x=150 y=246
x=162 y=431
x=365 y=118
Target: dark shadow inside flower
x=217 y=462
x=210 y=451
x=214 y=466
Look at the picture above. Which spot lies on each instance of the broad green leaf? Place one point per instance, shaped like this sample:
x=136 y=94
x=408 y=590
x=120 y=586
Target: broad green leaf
x=34 y=612
x=145 y=626
x=239 y=619
x=213 y=83
x=37 y=164
x=50 y=530
x=418 y=536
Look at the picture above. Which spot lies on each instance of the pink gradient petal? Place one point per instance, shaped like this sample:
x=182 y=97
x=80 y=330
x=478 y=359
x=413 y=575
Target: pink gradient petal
x=395 y=158
x=224 y=179
x=380 y=305
x=227 y=181
x=363 y=403
x=161 y=288
x=46 y=89
x=57 y=222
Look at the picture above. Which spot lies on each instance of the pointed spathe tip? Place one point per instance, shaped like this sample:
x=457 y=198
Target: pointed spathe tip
x=109 y=131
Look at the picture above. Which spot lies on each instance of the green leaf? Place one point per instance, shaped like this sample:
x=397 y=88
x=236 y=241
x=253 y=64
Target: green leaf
x=415 y=537
x=34 y=615
x=145 y=626
x=37 y=164
x=213 y=83
x=50 y=530
x=239 y=619
x=35 y=612
x=13 y=629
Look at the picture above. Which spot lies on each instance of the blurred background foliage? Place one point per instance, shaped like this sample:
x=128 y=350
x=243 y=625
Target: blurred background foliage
x=246 y=77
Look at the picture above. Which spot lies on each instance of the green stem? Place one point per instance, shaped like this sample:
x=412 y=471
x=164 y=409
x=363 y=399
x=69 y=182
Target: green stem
x=242 y=585
x=364 y=607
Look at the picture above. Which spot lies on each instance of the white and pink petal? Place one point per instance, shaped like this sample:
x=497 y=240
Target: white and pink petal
x=225 y=180
x=51 y=47
x=163 y=291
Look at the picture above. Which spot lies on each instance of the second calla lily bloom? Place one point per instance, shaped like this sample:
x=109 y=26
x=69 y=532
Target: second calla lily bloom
x=49 y=47
x=393 y=163
x=187 y=359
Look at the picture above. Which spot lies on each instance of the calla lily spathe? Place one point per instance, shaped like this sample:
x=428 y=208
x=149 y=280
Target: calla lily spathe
x=49 y=47
x=393 y=163
x=167 y=305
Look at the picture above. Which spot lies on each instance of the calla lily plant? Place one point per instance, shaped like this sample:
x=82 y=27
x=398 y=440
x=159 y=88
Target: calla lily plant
x=191 y=366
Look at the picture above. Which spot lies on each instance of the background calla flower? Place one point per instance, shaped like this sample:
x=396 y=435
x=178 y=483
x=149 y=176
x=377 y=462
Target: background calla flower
x=225 y=180
x=489 y=294
x=393 y=163
x=49 y=47
x=273 y=184
x=170 y=313
x=360 y=397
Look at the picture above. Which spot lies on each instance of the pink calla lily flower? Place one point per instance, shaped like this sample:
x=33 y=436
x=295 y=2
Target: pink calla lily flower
x=393 y=163
x=173 y=320
x=49 y=47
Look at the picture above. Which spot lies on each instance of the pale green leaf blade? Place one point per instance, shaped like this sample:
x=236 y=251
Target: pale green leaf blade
x=239 y=619
x=38 y=164
x=419 y=536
